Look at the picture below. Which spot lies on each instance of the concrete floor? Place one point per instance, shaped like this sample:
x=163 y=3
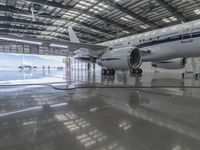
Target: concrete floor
x=154 y=112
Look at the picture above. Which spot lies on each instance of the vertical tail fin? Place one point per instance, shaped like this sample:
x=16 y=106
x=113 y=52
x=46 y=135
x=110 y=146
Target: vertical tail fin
x=72 y=35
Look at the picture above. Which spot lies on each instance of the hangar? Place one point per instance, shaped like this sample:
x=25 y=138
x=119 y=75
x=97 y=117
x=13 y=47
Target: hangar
x=99 y=74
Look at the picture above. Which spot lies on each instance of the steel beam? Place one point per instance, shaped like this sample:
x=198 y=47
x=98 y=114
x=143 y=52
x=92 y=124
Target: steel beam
x=132 y=14
x=42 y=25
x=171 y=9
x=68 y=7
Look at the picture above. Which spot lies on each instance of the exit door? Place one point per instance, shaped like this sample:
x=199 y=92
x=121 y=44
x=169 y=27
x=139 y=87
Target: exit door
x=186 y=36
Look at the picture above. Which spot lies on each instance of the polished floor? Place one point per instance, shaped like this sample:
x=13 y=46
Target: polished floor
x=86 y=111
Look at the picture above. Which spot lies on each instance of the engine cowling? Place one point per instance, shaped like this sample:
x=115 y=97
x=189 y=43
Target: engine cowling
x=121 y=59
x=178 y=63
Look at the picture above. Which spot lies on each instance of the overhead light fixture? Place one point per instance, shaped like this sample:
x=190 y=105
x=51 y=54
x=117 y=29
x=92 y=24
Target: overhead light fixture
x=58 y=45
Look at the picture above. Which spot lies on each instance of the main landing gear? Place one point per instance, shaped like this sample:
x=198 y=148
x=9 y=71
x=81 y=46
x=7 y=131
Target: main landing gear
x=108 y=72
x=136 y=71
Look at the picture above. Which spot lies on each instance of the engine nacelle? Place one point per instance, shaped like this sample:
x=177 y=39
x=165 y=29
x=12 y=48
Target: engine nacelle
x=120 y=59
x=178 y=63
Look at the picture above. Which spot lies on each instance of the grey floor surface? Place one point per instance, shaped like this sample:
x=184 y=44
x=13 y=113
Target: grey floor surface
x=89 y=112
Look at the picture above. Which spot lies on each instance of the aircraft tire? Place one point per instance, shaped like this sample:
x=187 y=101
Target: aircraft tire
x=103 y=71
x=132 y=71
x=139 y=71
x=108 y=71
x=112 y=72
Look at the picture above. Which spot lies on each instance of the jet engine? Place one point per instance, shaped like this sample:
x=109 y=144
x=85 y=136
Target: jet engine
x=120 y=59
x=178 y=63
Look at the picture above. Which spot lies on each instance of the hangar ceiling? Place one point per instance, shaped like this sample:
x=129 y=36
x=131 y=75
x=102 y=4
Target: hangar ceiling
x=93 y=20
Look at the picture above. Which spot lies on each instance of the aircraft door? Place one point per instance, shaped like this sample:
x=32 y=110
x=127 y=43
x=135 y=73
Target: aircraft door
x=186 y=35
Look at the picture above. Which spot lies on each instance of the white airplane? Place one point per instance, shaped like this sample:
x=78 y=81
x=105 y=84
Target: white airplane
x=166 y=48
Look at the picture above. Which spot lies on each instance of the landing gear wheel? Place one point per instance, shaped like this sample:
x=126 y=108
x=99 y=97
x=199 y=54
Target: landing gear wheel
x=112 y=72
x=132 y=71
x=139 y=71
x=103 y=71
x=108 y=71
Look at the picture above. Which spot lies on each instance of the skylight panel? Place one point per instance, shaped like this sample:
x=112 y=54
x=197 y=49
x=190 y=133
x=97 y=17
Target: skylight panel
x=126 y=32
x=124 y=19
x=81 y=6
x=144 y=26
x=197 y=11
x=69 y=14
x=85 y=3
x=170 y=19
x=173 y=18
x=166 y=20
x=71 y=24
x=103 y=5
x=73 y=12
x=129 y=17
x=51 y=28
x=59 y=22
x=98 y=8
x=94 y=11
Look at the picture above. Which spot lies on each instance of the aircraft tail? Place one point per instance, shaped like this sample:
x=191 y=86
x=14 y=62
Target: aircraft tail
x=72 y=35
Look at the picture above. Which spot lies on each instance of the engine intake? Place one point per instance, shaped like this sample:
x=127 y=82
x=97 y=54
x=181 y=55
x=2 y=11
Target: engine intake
x=134 y=58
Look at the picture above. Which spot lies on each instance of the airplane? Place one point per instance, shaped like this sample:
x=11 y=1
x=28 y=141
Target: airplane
x=166 y=48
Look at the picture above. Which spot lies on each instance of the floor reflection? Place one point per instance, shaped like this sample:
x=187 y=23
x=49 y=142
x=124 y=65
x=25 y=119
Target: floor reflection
x=153 y=116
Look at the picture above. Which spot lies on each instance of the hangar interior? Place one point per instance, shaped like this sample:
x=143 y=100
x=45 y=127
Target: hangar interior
x=75 y=107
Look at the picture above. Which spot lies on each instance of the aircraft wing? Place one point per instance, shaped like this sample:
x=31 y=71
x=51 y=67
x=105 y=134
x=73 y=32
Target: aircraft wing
x=75 y=46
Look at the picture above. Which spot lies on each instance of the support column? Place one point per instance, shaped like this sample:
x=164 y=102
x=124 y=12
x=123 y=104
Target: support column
x=193 y=66
x=94 y=67
x=88 y=66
